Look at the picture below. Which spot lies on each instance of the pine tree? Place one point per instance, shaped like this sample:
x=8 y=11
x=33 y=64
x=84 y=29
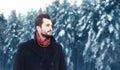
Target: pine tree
x=3 y=22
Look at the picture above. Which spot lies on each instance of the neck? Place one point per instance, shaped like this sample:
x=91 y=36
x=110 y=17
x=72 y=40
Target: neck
x=42 y=37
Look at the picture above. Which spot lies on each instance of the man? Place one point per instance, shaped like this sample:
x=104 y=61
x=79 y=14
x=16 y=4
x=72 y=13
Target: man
x=42 y=52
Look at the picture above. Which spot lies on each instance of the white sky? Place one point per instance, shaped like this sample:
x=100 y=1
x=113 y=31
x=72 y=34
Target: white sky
x=22 y=6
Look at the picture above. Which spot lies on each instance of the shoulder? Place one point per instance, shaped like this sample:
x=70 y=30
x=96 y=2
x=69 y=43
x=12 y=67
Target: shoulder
x=59 y=46
x=25 y=45
x=29 y=42
x=56 y=44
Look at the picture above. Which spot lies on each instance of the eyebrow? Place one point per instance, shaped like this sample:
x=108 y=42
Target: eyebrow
x=49 y=23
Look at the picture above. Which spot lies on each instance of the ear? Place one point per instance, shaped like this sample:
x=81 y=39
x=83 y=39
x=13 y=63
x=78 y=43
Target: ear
x=38 y=28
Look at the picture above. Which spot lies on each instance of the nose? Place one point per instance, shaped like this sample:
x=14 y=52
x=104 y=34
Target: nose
x=51 y=28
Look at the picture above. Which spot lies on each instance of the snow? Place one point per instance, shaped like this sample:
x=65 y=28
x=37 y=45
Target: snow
x=90 y=39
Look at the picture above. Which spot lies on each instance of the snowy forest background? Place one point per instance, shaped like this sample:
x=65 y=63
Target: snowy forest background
x=89 y=33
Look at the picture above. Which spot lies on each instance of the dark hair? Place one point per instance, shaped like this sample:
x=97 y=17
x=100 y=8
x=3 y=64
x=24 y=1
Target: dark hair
x=39 y=19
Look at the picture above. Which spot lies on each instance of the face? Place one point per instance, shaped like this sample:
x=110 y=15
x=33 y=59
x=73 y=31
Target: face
x=46 y=28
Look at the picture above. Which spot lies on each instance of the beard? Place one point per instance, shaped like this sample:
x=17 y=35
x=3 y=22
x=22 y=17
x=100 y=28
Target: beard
x=46 y=35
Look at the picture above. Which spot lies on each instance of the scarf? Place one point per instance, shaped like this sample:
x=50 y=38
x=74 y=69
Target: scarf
x=44 y=43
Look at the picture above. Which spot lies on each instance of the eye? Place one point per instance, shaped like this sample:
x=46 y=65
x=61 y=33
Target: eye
x=47 y=25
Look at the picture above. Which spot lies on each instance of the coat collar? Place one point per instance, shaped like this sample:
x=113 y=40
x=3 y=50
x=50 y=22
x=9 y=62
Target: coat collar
x=44 y=52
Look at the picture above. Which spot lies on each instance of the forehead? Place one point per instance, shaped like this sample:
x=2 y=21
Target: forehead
x=47 y=21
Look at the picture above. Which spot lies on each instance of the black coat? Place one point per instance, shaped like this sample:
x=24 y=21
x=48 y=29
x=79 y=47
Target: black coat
x=31 y=56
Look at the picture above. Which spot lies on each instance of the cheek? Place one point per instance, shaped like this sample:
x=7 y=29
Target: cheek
x=44 y=30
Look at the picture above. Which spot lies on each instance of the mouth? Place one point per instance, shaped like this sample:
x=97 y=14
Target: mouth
x=50 y=31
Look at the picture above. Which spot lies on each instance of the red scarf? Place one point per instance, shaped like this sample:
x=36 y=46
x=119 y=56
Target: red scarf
x=44 y=43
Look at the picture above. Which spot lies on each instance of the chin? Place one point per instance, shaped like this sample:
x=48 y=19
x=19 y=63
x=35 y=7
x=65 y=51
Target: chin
x=49 y=35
